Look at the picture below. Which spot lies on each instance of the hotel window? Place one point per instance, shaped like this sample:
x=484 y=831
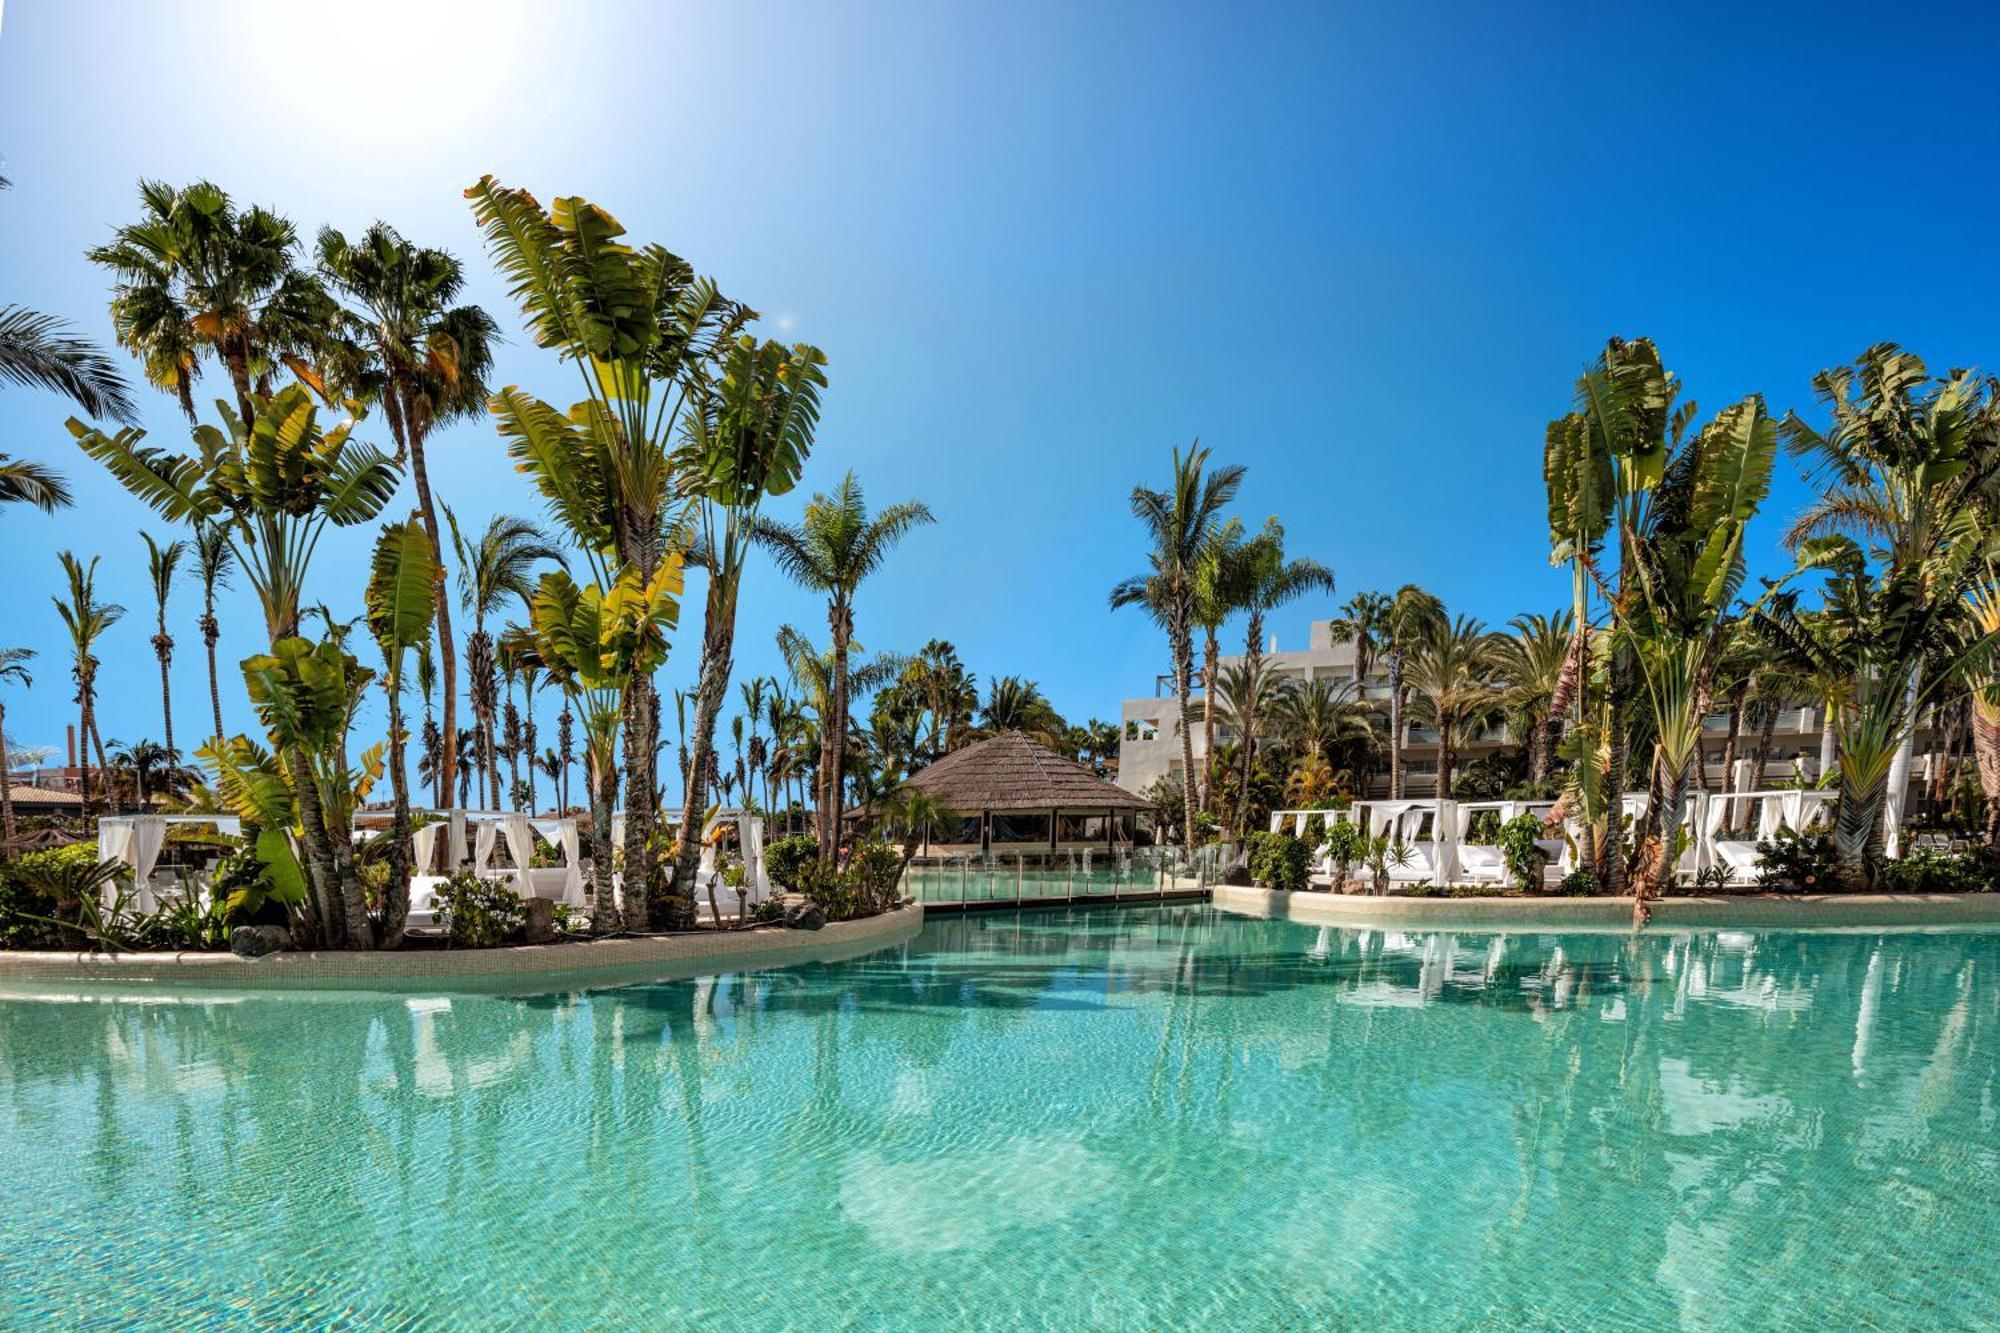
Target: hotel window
x=1142 y=729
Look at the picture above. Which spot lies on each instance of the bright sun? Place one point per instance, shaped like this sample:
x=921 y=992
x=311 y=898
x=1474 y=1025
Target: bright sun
x=365 y=70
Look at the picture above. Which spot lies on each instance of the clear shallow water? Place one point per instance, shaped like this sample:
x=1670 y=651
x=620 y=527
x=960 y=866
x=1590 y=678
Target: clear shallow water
x=1135 y=1117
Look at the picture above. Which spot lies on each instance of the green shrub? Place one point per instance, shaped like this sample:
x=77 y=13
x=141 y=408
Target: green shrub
x=1580 y=883
x=1521 y=850
x=1928 y=870
x=30 y=887
x=477 y=913
x=1346 y=843
x=831 y=890
x=874 y=869
x=1796 y=862
x=1279 y=861
x=784 y=859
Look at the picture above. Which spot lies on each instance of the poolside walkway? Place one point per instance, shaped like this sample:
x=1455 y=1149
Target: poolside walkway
x=515 y=969
x=1748 y=911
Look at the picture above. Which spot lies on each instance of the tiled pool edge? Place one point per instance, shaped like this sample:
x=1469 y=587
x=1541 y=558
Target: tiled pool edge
x=519 y=968
x=1937 y=911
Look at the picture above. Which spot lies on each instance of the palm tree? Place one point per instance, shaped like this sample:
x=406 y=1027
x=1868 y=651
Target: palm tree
x=143 y=760
x=816 y=673
x=1326 y=718
x=831 y=550
x=1181 y=523
x=1244 y=698
x=423 y=358
x=1454 y=675
x=213 y=559
x=13 y=671
x=23 y=481
x=1222 y=588
x=1531 y=664
x=1364 y=622
x=1414 y=615
x=498 y=565
x=39 y=352
x=162 y=564
x=87 y=620
x=1269 y=581
x=1017 y=704
x=198 y=277
x=947 y=694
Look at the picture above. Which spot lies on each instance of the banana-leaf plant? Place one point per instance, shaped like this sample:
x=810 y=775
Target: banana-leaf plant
x=272 y=487
x=1874 y=632
x=635 y=322
x=305 y=694
x=402 y=600
x=593 y=644
x=746 y=439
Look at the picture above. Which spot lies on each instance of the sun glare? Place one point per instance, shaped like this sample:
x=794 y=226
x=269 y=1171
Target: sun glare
x=358 y=71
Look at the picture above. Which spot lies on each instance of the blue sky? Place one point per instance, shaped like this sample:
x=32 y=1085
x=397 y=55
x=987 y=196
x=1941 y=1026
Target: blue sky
x=1361 y=249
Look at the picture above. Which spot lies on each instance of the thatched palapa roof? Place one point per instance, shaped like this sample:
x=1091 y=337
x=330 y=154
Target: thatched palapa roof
x=1009 y=772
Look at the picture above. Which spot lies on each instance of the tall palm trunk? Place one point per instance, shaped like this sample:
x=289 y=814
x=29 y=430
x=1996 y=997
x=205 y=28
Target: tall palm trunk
x=211 y=630
x=1673 y=787
x=840 y=620
x=163 y=648
x=1253 y=668
x=718 y=647
x=6 y=783
x=447 y=649
x=83 y=752
x=1447 y=756
x=396 y=895
x=1767 y=727
x=1180 y=642
x=642 y=804
x=1985 y=753
x=1736 y=700
x=1618 y=762
x=1396 y=723
x=600 y=780
x=1211 y=666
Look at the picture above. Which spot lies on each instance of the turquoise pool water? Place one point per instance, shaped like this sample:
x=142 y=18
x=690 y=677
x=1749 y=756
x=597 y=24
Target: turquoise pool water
x=1114 y=1117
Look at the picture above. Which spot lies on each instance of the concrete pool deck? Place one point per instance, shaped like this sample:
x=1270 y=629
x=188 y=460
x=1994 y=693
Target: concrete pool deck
x=1749 y=911
x=514 y=969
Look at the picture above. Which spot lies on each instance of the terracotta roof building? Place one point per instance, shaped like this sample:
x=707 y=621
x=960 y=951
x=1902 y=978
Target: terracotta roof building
x=1013 y=792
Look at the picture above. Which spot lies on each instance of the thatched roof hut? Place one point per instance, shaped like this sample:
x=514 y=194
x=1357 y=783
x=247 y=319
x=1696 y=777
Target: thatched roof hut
x=1013 y=791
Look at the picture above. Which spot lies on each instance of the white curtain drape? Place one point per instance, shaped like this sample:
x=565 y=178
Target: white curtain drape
x=424 y=844
x=484 y=835
x=1770 y=814
x=454 y=848
x=752 y=830
x=521 y=846
x=563 y=833
x=149 y=834
x=114 y=843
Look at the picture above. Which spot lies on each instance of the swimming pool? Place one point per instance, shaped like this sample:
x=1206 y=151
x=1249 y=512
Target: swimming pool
x=1125 y=1117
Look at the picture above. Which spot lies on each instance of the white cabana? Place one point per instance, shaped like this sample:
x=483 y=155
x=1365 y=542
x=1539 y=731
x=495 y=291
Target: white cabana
x=136 y=840
x=1404 y=823
x=1795 y=808
x=485 y=830
x=1483 y=862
